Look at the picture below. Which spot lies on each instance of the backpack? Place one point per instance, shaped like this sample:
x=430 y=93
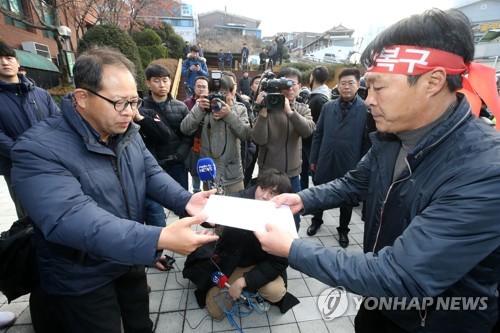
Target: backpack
x=18 y=270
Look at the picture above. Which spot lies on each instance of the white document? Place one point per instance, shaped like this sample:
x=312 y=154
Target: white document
x=248 y=214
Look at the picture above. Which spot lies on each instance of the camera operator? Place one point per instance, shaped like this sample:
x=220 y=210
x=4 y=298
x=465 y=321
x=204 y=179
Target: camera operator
x=224 y=125
x=279 y=129
x=193 y=67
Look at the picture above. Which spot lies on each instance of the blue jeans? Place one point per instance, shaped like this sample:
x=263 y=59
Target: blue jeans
x=196 y=183
x=155 y=215
x=295 y=181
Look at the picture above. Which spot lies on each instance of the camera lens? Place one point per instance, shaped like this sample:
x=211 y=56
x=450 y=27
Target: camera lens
x=216 y=104
x=274 y=100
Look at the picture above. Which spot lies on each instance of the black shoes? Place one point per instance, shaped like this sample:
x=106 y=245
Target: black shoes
x=311 y=231
x=343 y=233
x=343 y=238
x=168 y=262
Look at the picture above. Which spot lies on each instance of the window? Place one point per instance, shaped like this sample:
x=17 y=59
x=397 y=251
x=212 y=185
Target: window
x=46 y=15
x=179 y=23
x=14 y=6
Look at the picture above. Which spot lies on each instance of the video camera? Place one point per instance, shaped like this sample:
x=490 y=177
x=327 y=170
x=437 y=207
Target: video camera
x=274 y=99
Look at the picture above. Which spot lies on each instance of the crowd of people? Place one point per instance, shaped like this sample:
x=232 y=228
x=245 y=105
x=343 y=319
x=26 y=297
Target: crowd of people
x=406 y=145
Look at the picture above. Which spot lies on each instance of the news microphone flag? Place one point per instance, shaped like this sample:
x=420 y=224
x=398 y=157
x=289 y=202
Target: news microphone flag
x=206 y=169
x=220 y=280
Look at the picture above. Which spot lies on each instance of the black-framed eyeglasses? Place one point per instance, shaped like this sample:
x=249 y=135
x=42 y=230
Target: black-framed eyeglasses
x=120 y=105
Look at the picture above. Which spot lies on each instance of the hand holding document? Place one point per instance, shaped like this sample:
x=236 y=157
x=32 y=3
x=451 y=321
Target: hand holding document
x=248 y=214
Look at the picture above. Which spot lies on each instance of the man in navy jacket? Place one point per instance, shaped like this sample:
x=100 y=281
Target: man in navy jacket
x=193 y=67
x=83 y=178
x=22 y=105
x=431 y=183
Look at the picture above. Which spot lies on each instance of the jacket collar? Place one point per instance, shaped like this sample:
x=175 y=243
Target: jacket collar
x=75 y=120
x=323 y=89
x=461 y=114
x=24 y=85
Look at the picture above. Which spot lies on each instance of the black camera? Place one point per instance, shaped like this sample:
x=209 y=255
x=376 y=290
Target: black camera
x=304 y=95
x=216 y=100
x=274 y=99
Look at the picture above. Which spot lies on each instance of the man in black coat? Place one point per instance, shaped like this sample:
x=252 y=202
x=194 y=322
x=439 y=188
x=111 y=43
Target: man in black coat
x=245 y=83
x=338 y=143
x=168 y=144
x=262 y=57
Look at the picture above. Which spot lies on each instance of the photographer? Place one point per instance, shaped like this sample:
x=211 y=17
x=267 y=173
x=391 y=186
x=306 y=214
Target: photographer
x=224 y=125
x=281 y=124
x=193 y=67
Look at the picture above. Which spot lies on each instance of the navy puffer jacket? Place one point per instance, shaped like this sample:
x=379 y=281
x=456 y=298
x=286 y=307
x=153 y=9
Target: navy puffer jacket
x=22 y=105
x=87 y=201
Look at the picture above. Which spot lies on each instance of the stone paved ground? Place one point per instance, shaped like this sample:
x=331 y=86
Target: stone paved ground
x=173 y=308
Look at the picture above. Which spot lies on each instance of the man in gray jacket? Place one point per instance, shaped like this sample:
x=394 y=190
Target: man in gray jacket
x=431 y=180
x=320 y=94
x=83 y=178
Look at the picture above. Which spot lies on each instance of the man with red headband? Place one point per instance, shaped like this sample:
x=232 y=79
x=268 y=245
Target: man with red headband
x=432 y=188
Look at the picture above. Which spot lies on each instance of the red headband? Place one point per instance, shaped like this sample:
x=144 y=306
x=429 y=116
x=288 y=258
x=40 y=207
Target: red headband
x=415 y=60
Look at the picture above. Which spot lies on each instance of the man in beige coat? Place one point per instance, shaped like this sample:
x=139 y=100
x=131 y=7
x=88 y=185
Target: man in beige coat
x=279 y=132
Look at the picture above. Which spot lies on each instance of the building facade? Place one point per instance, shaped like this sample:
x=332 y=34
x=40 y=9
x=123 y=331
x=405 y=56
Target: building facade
x=485 y=20
x=231 y=23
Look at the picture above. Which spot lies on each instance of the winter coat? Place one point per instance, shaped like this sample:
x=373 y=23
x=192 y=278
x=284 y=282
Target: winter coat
x=280 y=138
x=221 y=139
x=280 y=43
x=87 y=201
x=433 y=232
x=221 y=57
x=237 y=248
x=176 y=149
x=245 y=52
x=318 y=98
x=244 y=85
x=337 y=143
x=192 y=75
x=272 y=51
x=262 y=57
x=22 y=105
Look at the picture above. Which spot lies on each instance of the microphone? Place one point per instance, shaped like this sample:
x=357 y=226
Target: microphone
x=207 y=171
x=221 y=281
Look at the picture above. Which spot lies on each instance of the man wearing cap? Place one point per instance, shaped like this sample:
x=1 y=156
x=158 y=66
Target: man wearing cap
x=431 y=184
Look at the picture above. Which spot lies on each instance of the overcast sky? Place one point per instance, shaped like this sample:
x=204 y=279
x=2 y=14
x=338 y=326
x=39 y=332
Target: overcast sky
x=318 y=15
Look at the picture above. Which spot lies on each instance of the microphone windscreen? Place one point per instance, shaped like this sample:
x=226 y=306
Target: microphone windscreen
x=206 y=169
x=219 y=279
x=222 y=282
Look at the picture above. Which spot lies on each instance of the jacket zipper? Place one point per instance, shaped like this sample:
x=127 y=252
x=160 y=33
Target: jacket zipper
x=385 y=201
x=37 y=110
x=423 y=317
x=117 y=173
